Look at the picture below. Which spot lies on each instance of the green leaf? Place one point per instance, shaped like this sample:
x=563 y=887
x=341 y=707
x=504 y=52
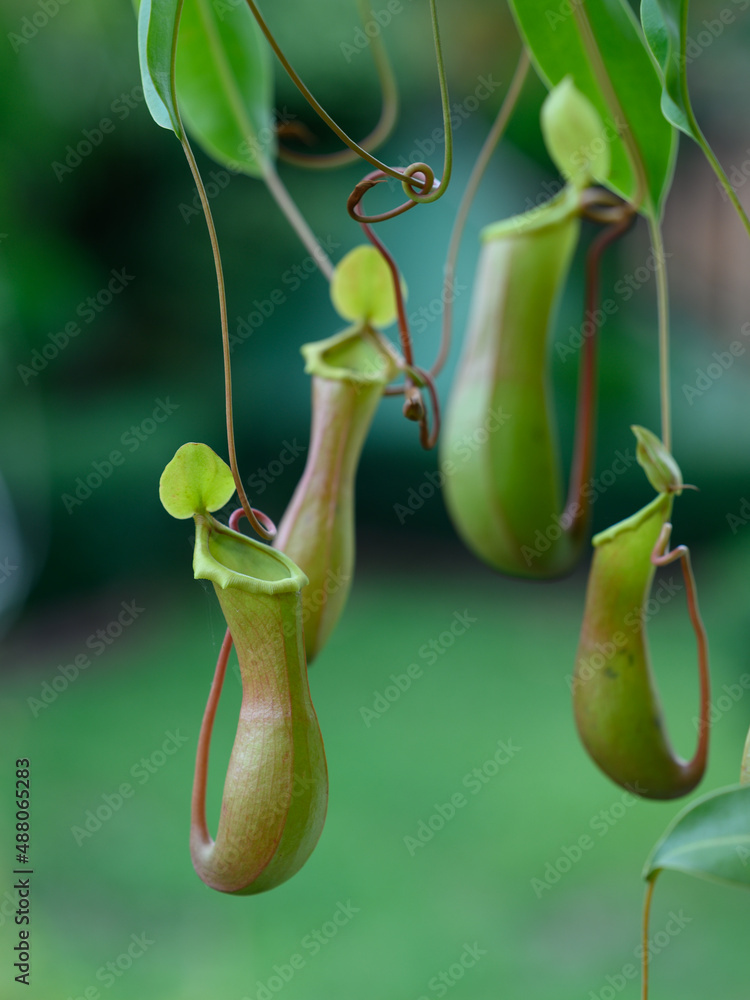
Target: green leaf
x=225 y=84
x=558 y=49
x=709 y=839
x=665 y=24
x=158 y=21
x=362 y=288
x=575 y=135
x=195 y=481
x=665 y=27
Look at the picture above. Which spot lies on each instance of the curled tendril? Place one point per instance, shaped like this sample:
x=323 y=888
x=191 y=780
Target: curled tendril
x=417 y=187
x=268 y=525
x=418 y=192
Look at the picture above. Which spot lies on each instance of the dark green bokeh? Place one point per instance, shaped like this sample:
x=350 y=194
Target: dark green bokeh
x=129 y=205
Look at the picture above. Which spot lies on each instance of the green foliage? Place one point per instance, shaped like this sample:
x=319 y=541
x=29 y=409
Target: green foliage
x=709 y=839
x=560 y=46
x=665 y=24
x=665 y=27
x=225 y=85
x=158 y=21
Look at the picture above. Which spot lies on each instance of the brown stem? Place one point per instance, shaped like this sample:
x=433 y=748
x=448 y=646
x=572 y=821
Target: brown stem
x=198 y=825
x=577 y=505
x=644 y=942
x=403 y=323
x=660 y=557
x=426 y=183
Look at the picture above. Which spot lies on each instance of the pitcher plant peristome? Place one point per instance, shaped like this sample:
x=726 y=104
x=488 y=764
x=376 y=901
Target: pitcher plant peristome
x=276 y=787
x=616 y=705
x=349 y=373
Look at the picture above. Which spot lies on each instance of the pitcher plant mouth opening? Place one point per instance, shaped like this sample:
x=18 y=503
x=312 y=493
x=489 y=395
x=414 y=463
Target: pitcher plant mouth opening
x=230 y=559
x=353 y=355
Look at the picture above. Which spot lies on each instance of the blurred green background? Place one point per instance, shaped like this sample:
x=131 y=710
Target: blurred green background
x=128 y=206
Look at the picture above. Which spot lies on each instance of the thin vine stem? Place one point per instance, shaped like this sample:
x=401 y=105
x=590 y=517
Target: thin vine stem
x=384 y=126
x=446 y=108
x=198 y=824
x=718 y=170
x=256 y=525
x=268 y=171
x=662 y=301
x=482 y=162
x=296 y=220
x=644 y=935
x=577 y=506
x=417 y=192
x=403 y=323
